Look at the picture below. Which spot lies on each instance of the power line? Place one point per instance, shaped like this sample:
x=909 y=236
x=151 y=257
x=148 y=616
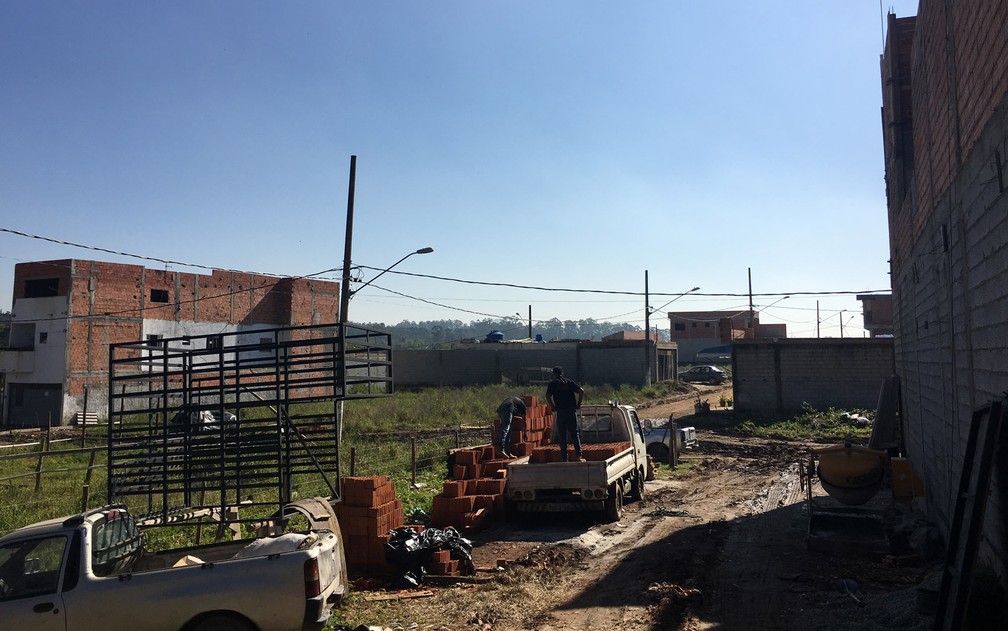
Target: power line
x=626 y=293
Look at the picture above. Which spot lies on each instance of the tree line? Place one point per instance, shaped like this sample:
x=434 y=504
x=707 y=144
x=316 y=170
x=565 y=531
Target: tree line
x=440 y=334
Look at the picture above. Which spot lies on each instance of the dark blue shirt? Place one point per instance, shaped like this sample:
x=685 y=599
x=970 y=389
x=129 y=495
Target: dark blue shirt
x=563 y=393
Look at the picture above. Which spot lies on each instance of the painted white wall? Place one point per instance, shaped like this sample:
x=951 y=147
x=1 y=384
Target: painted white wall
x=49 y=316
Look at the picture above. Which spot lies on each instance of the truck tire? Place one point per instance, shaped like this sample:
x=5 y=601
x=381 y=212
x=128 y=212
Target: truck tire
x=223 y=622
x=614 y=503
x=659 y=452
x=637 y=485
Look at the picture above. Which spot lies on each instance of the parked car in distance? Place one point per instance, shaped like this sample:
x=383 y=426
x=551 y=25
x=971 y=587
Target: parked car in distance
x=704 y=374
x=658 y=439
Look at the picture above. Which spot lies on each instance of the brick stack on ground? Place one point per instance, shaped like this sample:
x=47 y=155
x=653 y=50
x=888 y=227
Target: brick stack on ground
x=369 y=510
x=476 y=492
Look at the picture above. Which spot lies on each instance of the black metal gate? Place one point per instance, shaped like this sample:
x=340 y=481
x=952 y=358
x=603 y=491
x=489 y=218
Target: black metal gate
x=202 y=425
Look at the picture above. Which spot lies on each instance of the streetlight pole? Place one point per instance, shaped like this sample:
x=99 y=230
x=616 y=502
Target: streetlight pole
x=427 y=250
x=841 y=323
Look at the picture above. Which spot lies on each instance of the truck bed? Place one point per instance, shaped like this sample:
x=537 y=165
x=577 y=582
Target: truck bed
x=569 y=475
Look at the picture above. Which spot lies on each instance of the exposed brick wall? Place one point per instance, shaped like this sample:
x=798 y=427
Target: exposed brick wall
x=949 y=239
x=108 y=303
x=44 y=269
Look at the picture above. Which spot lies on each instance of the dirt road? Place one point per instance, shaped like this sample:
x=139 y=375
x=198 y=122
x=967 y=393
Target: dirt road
x=719 y=545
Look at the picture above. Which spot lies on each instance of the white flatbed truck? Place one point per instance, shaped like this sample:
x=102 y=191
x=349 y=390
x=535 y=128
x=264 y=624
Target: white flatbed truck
x=595 y=485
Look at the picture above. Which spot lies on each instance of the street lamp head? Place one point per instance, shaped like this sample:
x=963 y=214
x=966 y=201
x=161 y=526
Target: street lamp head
x=694 y=289
x=426 y=250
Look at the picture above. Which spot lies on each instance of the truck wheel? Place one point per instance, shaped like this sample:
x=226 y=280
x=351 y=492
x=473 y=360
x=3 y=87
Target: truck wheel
x=223 y=622
x=637 y=488
x=659 y=452
x=614 y=503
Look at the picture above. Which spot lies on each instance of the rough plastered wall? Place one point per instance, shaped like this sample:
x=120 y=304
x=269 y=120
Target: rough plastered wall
x=949 y=247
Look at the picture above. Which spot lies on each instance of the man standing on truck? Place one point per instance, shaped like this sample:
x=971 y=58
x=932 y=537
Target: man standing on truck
x=565 y=396
x=506 y=411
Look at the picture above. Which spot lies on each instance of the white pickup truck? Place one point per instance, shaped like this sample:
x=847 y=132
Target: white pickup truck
x=90 y=571
x=599 y=485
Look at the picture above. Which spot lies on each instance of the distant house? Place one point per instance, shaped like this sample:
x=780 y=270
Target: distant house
x=878 y=314
x=67 y=313
x=695 y=332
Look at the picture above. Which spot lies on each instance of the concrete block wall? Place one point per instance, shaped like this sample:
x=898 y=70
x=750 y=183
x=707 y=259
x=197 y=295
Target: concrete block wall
x=612 y=365
x=949 y=246
x=587 y=363
x=778 y=376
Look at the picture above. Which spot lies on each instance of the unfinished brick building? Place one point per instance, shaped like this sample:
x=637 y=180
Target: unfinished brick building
x=945 y=127
x=68 y=312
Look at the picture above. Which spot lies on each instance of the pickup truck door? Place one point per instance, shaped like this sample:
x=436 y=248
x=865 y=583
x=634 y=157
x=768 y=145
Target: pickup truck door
x=638 y=431
x=30 y=583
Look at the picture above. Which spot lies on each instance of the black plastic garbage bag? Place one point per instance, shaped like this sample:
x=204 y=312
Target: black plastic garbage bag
x=410 y=551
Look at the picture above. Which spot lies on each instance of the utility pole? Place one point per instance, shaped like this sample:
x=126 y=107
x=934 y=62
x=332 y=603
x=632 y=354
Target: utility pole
x=817 y=320
x=647 y=333
x=841 y=324
x=530 y=322
x=347 y=245
x=345 y=295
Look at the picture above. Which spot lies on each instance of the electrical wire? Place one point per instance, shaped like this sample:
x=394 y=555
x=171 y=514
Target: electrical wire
x=318 y=274
x=625 y=293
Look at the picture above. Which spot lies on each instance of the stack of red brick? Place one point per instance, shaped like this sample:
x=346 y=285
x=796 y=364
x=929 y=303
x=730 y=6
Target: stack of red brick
x=529 y=431
x=598 y=451
x=475 y=494
x=441 y=564
x=368 y=511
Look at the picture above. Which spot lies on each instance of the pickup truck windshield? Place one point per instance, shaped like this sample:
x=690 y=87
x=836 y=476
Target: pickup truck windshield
x=115 y=543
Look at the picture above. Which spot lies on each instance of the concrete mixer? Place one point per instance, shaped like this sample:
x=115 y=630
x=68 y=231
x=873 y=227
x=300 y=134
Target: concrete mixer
x=850 y=474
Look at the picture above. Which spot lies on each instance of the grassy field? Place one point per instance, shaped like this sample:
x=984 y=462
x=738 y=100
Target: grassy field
x=379 y=437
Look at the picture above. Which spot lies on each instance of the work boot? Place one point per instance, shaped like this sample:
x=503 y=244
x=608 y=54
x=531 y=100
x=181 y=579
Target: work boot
x=580 y=459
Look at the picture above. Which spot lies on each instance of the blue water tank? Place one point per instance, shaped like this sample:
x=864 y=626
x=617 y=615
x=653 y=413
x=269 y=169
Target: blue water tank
x=494 y=336
x=538 y=337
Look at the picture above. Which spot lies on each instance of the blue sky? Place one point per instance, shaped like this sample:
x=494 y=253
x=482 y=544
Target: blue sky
x=552 y=144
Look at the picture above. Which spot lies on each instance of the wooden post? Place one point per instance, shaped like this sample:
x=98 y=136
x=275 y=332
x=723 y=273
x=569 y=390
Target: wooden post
x=38 y=467
x=90 y=468
x=353 y=461
x=458 y=438
x=84 y=498
x=413 y=459
x=674 y=444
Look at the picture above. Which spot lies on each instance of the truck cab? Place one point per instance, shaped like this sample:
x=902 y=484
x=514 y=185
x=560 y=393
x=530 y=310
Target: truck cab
x=91 y=571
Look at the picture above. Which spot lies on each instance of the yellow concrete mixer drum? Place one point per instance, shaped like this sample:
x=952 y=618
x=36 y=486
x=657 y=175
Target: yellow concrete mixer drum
x=851 y=474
